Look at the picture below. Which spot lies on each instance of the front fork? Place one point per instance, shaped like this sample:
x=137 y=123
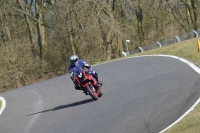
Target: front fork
x=91 y=86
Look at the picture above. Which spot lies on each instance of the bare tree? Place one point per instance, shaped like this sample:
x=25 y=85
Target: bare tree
x=186 y=14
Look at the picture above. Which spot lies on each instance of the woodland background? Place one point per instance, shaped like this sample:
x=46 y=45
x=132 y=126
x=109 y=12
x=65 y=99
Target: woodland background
x=38 y=36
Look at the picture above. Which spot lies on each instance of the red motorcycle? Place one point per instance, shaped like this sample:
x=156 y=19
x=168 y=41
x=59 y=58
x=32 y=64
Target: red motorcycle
x=87 y=82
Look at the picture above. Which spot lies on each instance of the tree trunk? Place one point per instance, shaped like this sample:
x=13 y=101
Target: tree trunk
x=28 y=22
x=40 y=28
x=194 y=4
x=139 y=15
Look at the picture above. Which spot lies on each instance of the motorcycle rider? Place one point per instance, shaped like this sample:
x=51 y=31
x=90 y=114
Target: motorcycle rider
x=75 y=62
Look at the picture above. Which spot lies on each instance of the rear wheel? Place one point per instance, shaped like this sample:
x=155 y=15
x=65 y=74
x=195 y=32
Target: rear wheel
x=92 y=92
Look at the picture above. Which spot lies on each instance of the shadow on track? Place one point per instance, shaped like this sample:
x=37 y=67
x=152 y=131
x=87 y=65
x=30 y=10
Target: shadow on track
x=65 y=106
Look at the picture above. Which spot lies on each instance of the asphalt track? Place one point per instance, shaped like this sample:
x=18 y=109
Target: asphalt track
x=141 y=95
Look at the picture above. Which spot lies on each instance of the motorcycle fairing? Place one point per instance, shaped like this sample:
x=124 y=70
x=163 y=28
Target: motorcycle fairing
x=82 y=76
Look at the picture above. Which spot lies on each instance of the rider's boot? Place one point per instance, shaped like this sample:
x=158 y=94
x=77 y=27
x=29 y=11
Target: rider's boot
x=95 y=75
x=99 y=83
x=77 y=87
x=85 y=92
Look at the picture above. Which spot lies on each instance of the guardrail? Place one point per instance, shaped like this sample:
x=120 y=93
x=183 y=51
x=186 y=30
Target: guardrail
x=176 y=39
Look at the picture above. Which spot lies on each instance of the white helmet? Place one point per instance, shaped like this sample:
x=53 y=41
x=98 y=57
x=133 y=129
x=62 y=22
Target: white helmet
x=73 y=59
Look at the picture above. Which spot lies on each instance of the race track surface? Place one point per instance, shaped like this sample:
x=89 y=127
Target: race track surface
x=141 y=95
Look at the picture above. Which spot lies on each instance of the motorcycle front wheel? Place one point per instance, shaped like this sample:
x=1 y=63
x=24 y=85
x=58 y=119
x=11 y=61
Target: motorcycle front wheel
x=92 y=92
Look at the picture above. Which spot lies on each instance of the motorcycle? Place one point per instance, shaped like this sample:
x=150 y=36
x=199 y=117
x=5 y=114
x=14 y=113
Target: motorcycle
x=87 y=82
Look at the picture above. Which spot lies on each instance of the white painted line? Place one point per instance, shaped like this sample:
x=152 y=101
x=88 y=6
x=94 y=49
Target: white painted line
x=193 y=66
x=193 y=106
x=38 y=107
x=3 y=105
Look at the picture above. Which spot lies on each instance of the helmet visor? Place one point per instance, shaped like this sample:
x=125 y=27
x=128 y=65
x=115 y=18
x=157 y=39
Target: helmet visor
x=74 y=61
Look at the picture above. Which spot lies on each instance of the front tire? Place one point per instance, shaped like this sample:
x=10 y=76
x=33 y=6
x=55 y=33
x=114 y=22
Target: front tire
x=92 y=92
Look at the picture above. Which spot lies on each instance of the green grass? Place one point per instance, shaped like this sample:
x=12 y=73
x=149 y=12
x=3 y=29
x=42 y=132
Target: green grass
x=187 y=50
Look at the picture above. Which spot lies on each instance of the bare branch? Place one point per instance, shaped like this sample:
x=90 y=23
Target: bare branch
x=26 y=14
x=1 y=2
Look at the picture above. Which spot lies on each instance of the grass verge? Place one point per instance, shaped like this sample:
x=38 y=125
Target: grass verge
x=187 y=50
